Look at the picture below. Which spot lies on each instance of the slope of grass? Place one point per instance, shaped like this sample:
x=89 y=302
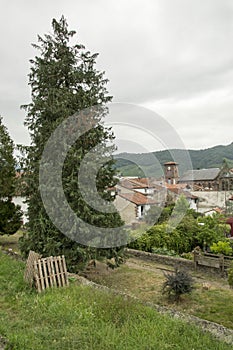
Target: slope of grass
x=79 y=317
x=213 y=305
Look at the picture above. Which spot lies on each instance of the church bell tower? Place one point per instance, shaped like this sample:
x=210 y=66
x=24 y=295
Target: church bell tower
x=171 y=173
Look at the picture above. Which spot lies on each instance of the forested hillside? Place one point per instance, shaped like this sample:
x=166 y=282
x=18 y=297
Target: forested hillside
x=136 y=164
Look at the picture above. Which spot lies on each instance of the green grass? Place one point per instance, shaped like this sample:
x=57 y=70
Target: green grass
x=214 y=305
x=79 y=317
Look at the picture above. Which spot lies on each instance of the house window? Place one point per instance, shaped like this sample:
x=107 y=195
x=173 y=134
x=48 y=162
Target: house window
x=231 y=185
x=142 y=210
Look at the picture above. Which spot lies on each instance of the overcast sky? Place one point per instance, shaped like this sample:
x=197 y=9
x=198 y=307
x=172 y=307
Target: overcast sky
x=174 y=57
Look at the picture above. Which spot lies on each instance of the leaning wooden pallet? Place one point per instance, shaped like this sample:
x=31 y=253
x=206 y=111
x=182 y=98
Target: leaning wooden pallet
x=50 y=272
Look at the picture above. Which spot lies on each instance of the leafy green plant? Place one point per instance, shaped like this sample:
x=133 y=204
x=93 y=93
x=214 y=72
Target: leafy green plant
x=177 y=283
x=164 y=251
x=188 y=256
x=180 y=240
x=192 y=231
x=222 y=247
x=211 y=230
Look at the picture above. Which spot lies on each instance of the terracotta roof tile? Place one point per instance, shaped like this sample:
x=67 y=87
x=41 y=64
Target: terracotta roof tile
x=137 y=198
x=171 y=163
x=136 y=183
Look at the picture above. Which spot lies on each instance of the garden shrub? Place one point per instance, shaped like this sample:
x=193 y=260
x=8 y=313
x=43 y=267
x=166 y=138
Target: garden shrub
x=177 y=283
x=211 y=230
x=222 y=247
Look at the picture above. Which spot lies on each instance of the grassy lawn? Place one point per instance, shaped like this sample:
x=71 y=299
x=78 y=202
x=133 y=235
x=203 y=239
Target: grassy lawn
x=79 y=317
x=215 y=305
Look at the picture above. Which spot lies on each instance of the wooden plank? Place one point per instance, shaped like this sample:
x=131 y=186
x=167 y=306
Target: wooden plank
x=211 y=255
x=50 y=276
x=41 y=278
x=65 y=270
x=45 y=273
x=57 y=272
x=61 y=272
x=53 y=271
x=37 y=280
x=211 y=262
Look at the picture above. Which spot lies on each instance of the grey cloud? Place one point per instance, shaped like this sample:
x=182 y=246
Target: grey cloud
x=170 y=50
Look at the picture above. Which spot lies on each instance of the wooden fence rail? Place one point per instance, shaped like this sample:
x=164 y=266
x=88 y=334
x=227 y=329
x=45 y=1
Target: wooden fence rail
x=220 y=262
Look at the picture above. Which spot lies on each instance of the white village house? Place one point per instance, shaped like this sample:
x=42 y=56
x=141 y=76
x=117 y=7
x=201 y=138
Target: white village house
x=135 y=196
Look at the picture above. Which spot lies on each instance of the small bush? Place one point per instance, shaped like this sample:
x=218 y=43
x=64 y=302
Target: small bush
x=222 y=247
x=188 y=256
x=177 y=283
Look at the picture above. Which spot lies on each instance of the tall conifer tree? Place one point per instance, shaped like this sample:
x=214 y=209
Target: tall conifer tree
x=10 y=214
x=63 y=82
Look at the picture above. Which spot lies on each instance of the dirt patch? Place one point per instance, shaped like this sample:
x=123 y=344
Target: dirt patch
x=200 y=277
x=96 y=268
x=3 y=343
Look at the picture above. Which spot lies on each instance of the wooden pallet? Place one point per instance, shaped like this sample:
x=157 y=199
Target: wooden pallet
x=50 y=272
x=29 y=270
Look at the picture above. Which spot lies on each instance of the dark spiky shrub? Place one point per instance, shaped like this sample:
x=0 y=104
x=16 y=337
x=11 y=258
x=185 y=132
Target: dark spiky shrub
x=177 y=283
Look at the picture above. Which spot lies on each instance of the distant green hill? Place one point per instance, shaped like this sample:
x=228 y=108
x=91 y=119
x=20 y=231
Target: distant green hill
x=151 y=164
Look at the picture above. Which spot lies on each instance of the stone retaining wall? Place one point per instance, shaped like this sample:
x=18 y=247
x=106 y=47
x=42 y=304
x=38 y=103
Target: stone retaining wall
x=172 y=261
